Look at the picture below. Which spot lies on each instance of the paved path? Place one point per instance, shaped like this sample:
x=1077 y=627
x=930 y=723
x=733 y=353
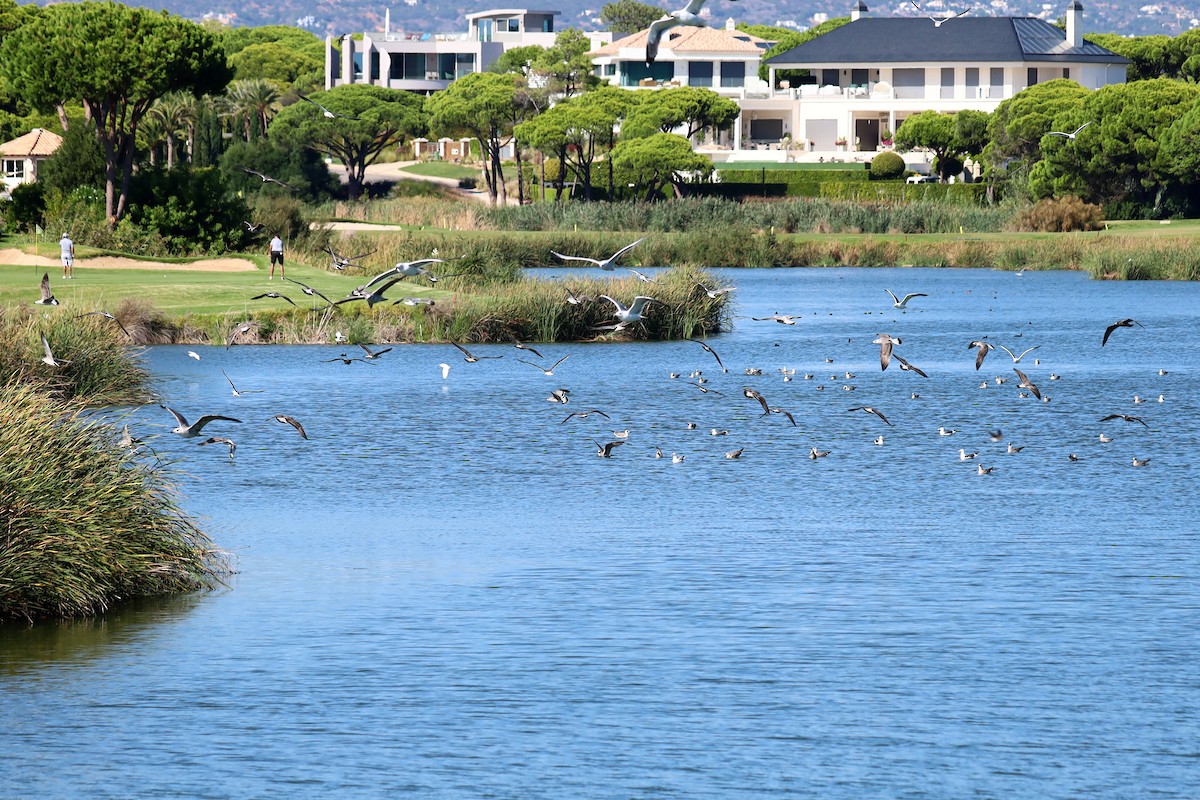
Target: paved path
x=394 y=171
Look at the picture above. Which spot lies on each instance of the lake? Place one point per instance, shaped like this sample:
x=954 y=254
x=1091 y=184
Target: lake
x=445 y=593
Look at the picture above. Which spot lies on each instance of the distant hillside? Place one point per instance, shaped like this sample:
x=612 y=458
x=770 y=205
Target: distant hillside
x=1137 y=18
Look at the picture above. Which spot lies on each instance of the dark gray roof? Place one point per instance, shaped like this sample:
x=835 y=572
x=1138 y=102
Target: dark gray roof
x=882 y=40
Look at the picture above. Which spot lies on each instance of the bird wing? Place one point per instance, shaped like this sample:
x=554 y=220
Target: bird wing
x=911 y=295
x=983 y=348
x=893 y=295
x=46 y=293
x=657 y=29
x=294 y=423
x=539 y=367
x=632 y=245
x=556 y=363
x=462 y=349
x=639 y=303
x=180 y=420
x=885 y=353
x=46 y=347
x=880 y=415
x=383 y=276
x=1059 y=133
x=1108 y=332
x=575 y=258
x=1010 y=352
x=207 y=418
x=1081 y=127
x=1027 y=384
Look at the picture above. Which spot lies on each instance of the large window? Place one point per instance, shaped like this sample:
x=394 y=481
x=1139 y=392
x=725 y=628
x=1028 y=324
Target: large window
x=700 y=73
x=909 y=83
x=445 y=70
x=414 y=66
x=996 y=83
x=634 y=72
x=1031 y=76
x=14 y=168
x=464 y=64
x=733 y=74
x=973 y=83
x=947 y=83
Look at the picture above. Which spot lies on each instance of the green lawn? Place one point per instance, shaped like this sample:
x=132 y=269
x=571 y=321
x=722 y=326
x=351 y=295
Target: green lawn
x=178 y=292
x=442 y=169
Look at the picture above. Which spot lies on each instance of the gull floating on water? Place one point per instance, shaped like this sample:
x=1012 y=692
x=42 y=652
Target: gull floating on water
x=1140 y=462
x=982 y=470
x=560 y=396
x=963 y=455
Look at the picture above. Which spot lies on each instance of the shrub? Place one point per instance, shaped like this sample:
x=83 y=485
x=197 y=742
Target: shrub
x=1059 y=214
x=86 y=522
x=887 y=166
x=186 y=210
x=27 y=207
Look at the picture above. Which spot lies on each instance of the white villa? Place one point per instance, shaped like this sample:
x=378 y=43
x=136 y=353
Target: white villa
x=428 y=62
x=870 y=74
x=22 y=155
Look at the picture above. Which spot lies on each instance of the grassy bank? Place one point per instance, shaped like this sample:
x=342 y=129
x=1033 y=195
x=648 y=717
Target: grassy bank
x=85 y=522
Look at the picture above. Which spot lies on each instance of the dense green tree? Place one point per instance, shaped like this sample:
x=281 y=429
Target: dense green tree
x=237 y=38
x=770 y=33
x=795 y=39
x=1178 y=158
x=692 y=108
x=629 y=16
x=971 y=131
x=1152 y=56
x=302 y=169
x=278 y=62
x=566 y=65
x=131 y=58
x=576 y=132
x=653 y=162
x=1018 y=124
x=207 y=138
x=79 y=161
x=365 y=121
x=485 y=107
x=519 y=60
x=1116 y=159
x=933 y=131
x=188 y=210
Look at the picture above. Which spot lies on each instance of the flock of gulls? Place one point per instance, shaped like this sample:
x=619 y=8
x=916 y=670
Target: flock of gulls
x=1029 y=384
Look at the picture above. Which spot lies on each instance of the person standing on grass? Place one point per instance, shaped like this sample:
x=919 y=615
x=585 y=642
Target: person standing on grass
x=67 y=249
x=276 y=248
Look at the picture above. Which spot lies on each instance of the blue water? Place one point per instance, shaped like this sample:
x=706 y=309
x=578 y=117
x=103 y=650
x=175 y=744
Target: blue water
x=444 y=592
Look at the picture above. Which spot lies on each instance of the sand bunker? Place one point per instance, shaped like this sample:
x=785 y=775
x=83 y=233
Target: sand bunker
x=21 y=258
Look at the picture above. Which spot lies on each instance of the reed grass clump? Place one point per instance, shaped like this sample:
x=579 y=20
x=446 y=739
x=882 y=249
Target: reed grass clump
x=98 y=368
x=85 y=523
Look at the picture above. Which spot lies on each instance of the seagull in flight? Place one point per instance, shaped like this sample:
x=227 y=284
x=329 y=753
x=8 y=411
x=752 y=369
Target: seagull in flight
x=106 y=315
x=1123 y=323
x=584 y=415
x=898 y=303
x=517 y=343
x=1125 y=417
x=239 y=392
x=273 y=295
x=340 y=262
x=468 y=356
x=578 y=299
x=548 y=371
x=49 y=358
x=325 y=112
x=1017 y=358
x=907 y=367
x=688 y=15
x=782 y=319
x=938 y=21
x=308 y=290
x=238 y=330
x=190 y=431
x=886 y=343
x=284 y=419
x=1027 y=384
x=48 y=298
x=267 y=178
x=710 y=350
x=641 y=276
x=627 y=315
x=1070 y=135
x=605 y=450
x=762 y=401
x=251 y=227
x=870 y=410
x=369 y=353
x=713 y=294
x=221 y=440
x=607 y=264
x=982 y=349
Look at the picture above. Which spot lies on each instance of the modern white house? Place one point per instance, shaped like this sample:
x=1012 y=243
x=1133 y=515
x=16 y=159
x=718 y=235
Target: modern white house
x=870 y=74
x=429 y=62
x=21 y=156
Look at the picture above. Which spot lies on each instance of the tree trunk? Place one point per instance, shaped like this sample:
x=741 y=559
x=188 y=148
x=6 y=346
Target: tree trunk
x=62 y=115
x=498 y=171
x=520 y=174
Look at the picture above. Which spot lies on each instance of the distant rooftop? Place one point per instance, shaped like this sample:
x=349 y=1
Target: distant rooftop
x=37 y=143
